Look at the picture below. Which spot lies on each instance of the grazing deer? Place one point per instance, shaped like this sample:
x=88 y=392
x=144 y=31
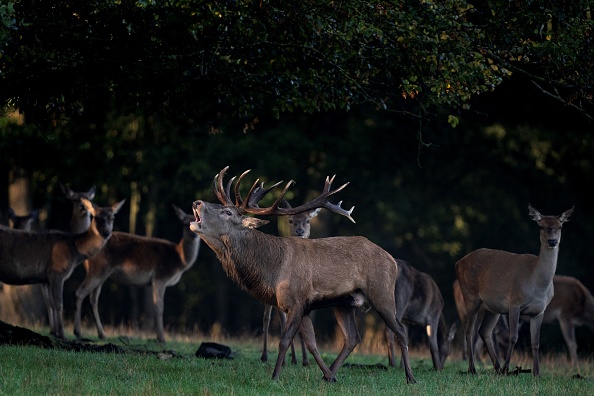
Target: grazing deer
x=49 y=257
x=131 y=259
x=298 y=275
x=81 y=218
x=299 y=226
x=27 y=222
x=504 y=283
x=420 y=303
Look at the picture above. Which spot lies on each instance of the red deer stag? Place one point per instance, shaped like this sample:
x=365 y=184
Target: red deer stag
x=49 y=257
x=504 y=283
x=299 y=275
x=131 y=259
x=420 y=303
x=299 y=226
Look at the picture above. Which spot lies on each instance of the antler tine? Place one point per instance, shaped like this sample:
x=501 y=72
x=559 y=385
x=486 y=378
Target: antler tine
x=337 y=209
x=259 y=193
x=320 y=202
x=220 y=192
x=238 y=199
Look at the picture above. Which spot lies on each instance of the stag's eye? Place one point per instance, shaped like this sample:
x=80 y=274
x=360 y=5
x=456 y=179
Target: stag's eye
x=229 y=213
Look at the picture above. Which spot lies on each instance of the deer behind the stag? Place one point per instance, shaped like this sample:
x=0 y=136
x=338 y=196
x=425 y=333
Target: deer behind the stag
x=299 y=275
x=420 y=303
x=131 y=259
x=49 y=257
x=504 y=283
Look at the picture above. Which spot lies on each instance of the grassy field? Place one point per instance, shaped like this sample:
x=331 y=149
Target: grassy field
x=28 y=370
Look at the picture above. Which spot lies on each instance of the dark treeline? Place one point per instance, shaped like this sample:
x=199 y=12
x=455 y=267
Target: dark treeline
x=426 y=192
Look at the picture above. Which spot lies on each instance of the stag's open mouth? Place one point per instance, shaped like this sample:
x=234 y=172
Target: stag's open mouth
x=195 y=226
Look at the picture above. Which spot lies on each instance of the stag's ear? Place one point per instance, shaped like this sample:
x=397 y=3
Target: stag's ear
x=252 y=222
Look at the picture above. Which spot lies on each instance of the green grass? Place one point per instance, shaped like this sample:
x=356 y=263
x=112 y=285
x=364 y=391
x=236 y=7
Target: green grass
x=28 y=370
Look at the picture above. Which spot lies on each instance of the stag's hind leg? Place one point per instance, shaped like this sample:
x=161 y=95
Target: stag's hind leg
x=389 y=317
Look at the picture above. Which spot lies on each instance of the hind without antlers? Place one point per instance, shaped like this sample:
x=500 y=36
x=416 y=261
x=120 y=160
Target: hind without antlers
x=298 y=275
x=504 y=283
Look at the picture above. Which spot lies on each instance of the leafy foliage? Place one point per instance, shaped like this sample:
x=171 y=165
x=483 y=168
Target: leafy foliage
x=201 y=60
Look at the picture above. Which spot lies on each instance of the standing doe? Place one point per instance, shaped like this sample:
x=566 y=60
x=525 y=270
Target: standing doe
x=504 y=283
x=131 y=259
x=299 y=275
x=49 y=257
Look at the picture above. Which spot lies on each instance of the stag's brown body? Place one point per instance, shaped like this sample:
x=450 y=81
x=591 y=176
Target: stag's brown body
x=503 y=283
x=131 y=259
x=49 y=257
x=299 y=275
x=299 y=226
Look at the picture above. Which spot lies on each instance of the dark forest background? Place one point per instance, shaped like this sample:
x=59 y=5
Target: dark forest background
x=425 y=188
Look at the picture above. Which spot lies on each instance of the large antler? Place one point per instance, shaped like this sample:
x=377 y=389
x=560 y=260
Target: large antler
x=257 y=192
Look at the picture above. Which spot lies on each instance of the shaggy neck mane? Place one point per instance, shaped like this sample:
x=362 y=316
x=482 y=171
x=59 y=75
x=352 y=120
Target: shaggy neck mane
x=252 y=260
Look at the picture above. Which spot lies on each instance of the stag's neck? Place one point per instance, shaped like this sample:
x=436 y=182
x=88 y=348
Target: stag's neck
x=188 y=247
x=252 y=259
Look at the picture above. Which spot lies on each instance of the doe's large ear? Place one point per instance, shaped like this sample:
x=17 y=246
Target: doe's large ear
x=252 y=222
x=565 y=216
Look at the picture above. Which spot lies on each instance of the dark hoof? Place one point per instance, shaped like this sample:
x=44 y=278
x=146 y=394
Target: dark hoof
x=326 y=379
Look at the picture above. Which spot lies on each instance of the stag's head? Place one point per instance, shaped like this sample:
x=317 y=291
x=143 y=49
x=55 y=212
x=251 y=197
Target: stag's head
x=215 y=220
x=550 y=226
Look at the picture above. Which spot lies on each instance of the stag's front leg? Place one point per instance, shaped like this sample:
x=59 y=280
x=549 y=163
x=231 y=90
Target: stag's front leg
x=294 y=319
x=308 y=337
x=345 y=316
x=535 y=324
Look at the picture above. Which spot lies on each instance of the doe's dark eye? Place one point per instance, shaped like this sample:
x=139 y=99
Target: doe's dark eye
x=229 y=213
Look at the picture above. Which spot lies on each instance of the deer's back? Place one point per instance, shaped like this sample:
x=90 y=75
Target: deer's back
x=417 y=293
x=25 y=256
x=135 y=258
